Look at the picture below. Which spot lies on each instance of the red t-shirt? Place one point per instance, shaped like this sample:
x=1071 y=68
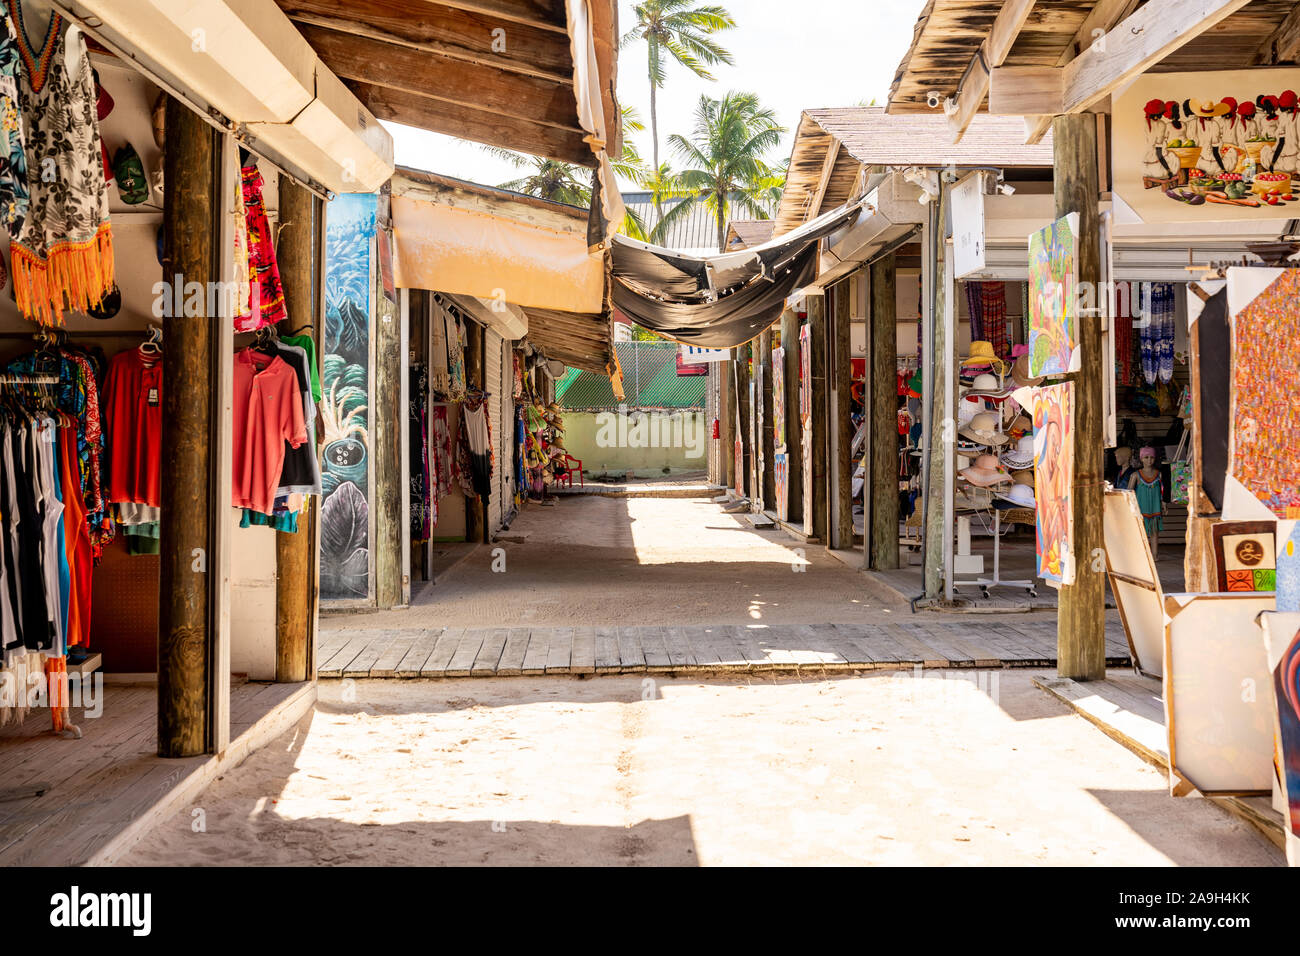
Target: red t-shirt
x=131 y=405
x=267 y=413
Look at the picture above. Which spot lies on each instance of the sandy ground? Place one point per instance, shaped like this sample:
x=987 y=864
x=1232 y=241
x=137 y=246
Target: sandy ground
x=853 y=770
x=588 y=561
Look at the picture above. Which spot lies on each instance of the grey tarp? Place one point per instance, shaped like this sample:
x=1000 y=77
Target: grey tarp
x=717 y=301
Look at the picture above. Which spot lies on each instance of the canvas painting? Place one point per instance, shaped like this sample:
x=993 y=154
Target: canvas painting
x=778 y=399
x=781 y=468
x=1054 y=482
x=1134 y=581
x=1245 y=555
x=805 y=419
x=1217 y=707
x=1264 y=441
x=1288 y=566
x=1053 y=299
x=1282 y=642
x=1208 y=146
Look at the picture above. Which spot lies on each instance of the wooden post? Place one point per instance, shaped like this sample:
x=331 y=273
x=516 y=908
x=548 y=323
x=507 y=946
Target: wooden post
x=934 y=379
x=820 y=399
x=388 y=423
x=793 y=425
x=842 y=376
x=1081 y=617
x=727 y=421
x=769 y=427
x=295 y=253
x=188 y=495
x=742 y=403
x=883 y=379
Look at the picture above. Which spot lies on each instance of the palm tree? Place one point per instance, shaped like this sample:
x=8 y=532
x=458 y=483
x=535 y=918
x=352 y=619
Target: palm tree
x=676 y=28
x=723 y=161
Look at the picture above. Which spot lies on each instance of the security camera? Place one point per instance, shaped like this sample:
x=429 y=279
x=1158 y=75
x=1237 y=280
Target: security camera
x=933 y=99
x=1006 y=189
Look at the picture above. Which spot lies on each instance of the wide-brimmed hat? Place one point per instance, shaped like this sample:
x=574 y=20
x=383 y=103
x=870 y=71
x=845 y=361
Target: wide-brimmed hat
x=1020 y=373
x=1017 y=494
x=985 y=472
x=968 y=408
x=1024 y=476
x=983 y=428
x=987 y=386
x=981 y=353
x=1022 y=456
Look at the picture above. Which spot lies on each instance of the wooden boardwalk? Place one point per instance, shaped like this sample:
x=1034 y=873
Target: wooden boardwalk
x=717 y=649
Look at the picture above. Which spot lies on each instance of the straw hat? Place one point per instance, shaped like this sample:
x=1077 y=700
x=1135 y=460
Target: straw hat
x=981 y=353
x=968 y=408
x=1021 y=495
x=1020 y=373
x=987 y=386
x=1022 y=456
x=983 y=428
x=1025 y=476
x=985 y=472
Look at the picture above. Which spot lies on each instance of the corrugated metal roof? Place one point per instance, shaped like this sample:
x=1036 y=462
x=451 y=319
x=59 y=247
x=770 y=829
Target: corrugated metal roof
x=697 y=233
x=650 y=380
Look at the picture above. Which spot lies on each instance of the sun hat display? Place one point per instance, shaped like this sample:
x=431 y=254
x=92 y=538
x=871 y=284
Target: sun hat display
x=968 y=408
x=983 y=428
x=1020 y=495
x=1024 y=476
x=987 y=386
x=969 y=448
x=969 y=498
x=1022 y=456
x=985 y=472
x=1020 y=373
x=981 y=353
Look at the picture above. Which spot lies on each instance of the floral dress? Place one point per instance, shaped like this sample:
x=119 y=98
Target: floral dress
x=14 y=197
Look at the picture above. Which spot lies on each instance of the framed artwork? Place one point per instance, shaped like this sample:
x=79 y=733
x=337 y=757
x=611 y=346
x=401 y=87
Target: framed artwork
x=1208 y=146
x=1053 y=298
x=1282 y=644
x=1288 y=565
x=1218 y=711
x=778 y=399
x=1245 y=555
x=781 y=468
x=1133 y=580
x=1054 y=482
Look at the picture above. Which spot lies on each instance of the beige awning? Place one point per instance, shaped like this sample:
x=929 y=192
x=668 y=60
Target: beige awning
x=472 y=252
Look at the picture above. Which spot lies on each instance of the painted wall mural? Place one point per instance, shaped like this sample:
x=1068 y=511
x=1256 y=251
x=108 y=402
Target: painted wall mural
x=1054 y=481
x=1053 y=299
x=345 y=381
x=1209 y=146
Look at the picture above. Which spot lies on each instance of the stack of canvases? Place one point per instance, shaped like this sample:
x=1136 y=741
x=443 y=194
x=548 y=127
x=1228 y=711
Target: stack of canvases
x=54 y=205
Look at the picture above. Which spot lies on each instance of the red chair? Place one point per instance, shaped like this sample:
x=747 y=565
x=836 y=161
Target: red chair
x=570 y=465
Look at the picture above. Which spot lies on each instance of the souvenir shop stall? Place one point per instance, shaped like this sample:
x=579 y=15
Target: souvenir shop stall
x=542 y=461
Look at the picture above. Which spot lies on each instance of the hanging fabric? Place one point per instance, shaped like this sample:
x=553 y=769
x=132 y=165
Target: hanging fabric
x=1157 y=335
x=267 y=299
x=14 y=196
x=424 y=504
x=63 y=254
x=1124 y=312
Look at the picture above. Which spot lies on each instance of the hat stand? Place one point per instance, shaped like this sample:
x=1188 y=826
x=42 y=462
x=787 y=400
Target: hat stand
x=968 y=560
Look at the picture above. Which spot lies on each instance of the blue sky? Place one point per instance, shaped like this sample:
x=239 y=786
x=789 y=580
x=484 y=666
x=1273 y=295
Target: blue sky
x=795 y=54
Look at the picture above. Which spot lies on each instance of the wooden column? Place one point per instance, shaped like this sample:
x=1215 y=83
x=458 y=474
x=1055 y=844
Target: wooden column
x=935 y=528
x=295 y=255
x=742 y=403
x=793 y=426
x=816 y=523
x=188 y=495
x=388 y=424
x=842 y=376
x=883 y=408
x=727 y=421
x=1080 y=622
x=769 y=429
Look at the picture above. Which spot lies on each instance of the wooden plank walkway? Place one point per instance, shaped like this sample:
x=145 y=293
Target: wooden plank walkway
x=698 y=649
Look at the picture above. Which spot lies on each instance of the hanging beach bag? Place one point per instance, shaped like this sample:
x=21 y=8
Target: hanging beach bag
x=132 y=185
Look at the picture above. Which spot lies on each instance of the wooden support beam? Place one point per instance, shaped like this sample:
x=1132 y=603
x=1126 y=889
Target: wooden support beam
x=1081 y=618
x=188 y=494
x=745 y=463
x=727 y=421
x=769 y=425
x=1026 y=91
x=548 y=14
x=816 y=523
x=1283 y=45
x=828 y=167
x=465 y=122
x=974 y=84
x=793 y=424
x=936 y=530
x=841 y=374
x=487 y=88
x=426 y=27
x=295 y=254
x=882 y=381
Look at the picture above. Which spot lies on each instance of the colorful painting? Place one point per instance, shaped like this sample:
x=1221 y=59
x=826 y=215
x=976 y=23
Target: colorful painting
x=345 y=381
x=781 y=468
x=1264 y=451
x=1282 y=640
x=778 y=399
x=1053 y=299
x=1288 y=566
x=1245 y=555
x=805 y=419
x=1054 y=482
x=1209 y=146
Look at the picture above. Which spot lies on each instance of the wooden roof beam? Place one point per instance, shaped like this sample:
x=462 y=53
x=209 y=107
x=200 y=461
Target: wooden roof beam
x=477 y=125
x=1283 y=45
x=1143 y=39
x=828 y=167
x=548 y=14
x=974 y=85
x=452 y=81
x=429 y=28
